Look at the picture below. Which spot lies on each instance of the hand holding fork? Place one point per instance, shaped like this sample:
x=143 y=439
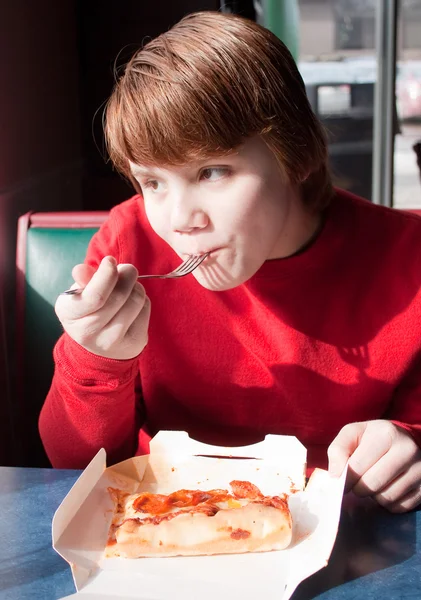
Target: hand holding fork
x=111 y=315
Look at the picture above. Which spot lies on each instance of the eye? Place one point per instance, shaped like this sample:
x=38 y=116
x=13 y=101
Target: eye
x=153 y=185
x=214 y=173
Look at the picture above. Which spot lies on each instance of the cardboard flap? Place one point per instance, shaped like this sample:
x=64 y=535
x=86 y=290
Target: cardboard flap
x=276 y=465
x=83 y=567
x=212 y=580
x=87 y=595
x=178 y=443
x=318 y=517
x=78 y=494
x=128 y=471
x=101 y=596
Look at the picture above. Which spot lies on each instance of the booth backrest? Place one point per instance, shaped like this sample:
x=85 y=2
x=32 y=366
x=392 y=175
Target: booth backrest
x=48 y=246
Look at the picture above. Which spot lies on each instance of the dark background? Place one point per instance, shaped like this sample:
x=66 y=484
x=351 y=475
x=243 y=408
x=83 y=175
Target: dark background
x=56 y=71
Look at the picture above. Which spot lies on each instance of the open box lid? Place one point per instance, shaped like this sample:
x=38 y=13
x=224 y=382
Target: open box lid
x=81 y=523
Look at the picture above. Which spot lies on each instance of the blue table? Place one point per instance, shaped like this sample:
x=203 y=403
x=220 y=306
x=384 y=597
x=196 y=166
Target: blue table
x=376 y=556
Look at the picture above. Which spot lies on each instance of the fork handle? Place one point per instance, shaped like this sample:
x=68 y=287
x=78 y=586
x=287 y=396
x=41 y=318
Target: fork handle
x=172 y=275
x=77 y=291
x=73 y=292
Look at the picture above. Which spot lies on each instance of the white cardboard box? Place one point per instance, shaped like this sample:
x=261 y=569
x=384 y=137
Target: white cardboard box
x=276 y=465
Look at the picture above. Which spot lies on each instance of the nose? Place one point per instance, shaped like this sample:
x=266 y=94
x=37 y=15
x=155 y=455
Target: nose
x=186 y=216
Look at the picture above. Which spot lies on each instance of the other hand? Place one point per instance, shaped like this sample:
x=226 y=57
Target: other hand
x=384 y=462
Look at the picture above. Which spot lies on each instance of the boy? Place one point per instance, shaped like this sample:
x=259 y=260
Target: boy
x=305 y=318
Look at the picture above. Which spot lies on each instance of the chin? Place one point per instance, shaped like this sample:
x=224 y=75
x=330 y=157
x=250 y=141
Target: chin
x=217 y=286
x=218 y=280
x=225 y=271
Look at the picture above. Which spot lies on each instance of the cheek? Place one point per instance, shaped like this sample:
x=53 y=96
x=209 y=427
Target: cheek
x=263 y=219
x=158 y=219
x=254 y=208
x=241 y=205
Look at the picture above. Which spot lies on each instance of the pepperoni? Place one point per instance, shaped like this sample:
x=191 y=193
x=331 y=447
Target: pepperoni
x=160 y=505
x=276 y=501
x=154 y=504
x=206 y=509
x=245 y=489
x=184 y=498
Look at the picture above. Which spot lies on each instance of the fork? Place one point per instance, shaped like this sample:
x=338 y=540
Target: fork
x=188 y=266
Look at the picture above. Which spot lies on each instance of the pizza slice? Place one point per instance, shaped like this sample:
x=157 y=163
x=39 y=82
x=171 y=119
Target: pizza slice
x=195 y=522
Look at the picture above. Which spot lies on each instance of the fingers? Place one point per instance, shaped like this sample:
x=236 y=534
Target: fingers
x=126 y=281
x=135 y=309
x=368 y=466
x=110 y=317
x=99 y=313
x=102 y=296
x=82 y=274
x=343 y=446
x=362 y=447
x=384 y=463
x=404 y=492
x=388 y=470
x=97 y=287
x=137 y=329
x=407 y=502
x=102 y=284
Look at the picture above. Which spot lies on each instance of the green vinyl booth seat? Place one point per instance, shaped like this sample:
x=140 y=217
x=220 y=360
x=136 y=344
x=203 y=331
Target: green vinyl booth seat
x=48 y=247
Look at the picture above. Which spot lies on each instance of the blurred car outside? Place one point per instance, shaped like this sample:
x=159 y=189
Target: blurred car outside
x=335 y=77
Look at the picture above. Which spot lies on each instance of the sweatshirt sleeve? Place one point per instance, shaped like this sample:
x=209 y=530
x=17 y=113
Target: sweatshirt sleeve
x=91 y=403
x=405 y=410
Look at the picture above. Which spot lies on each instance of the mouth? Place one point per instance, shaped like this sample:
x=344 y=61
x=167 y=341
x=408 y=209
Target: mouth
x=206 y=253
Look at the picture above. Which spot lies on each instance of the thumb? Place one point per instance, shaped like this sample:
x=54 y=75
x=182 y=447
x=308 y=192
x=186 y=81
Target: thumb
x=82 y=274
x=343 y=446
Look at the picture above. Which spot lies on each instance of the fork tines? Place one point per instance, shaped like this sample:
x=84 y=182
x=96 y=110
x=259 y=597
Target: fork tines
x=190 y=264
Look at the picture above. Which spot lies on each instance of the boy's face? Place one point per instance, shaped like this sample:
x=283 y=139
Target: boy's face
x=237 y=207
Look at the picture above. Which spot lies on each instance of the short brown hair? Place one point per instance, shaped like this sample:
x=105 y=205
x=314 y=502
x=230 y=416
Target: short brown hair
x=206 y=85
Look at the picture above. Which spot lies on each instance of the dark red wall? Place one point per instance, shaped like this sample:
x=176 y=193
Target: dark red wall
x=40 y=150
x=56 y=63
x=104 y=35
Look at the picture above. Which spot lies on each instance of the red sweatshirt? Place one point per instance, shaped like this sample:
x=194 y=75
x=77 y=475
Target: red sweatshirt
x=311 y=342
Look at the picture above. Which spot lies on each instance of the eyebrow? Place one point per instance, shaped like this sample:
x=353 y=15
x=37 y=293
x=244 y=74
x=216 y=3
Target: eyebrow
x=139 y=171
